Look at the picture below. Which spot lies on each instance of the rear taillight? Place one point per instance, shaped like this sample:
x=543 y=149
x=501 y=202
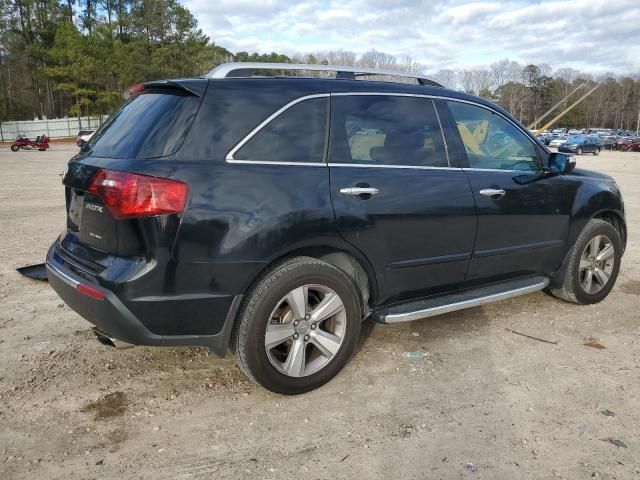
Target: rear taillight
x=129 y=195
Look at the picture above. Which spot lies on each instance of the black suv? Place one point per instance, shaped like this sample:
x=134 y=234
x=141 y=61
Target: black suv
x=271 y=215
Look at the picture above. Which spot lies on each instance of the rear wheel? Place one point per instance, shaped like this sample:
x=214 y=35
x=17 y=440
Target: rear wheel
x=15 y=148
x=596 y=151
x=579 y=151
x=298 y=327
x=593 y=264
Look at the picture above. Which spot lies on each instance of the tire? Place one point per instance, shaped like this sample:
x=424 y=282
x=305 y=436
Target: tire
x=596 y=152
x=268 y=301
x=579 y=151
x=15 y=148
x=575 y=277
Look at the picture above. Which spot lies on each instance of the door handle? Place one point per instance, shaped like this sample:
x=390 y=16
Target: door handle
x=355 y=191
x=493 y=193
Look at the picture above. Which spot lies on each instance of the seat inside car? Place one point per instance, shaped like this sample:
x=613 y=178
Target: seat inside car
x=415 y=148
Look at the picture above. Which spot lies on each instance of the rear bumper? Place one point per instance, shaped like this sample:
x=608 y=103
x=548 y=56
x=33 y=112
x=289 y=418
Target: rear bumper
x=113 y=317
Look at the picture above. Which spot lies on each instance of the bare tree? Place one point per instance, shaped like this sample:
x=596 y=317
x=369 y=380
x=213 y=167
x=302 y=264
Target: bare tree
x=476 y=81
x=446 y=77
x=467 y=81
x=505 y=71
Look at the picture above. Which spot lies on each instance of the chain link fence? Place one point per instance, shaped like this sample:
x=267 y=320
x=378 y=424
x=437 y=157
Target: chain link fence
x=52 y=128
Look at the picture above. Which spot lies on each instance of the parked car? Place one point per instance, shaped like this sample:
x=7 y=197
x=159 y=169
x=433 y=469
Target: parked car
x=545 y=138
x=630 y=145
x=623 y=142
x=556 y=142
x=580 y=144
x=287 y=228
x=84 y=136
x=608 y=142
x=559 y=131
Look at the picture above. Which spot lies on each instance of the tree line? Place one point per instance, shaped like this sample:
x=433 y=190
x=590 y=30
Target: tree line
x=526 y=91
x=78 y=57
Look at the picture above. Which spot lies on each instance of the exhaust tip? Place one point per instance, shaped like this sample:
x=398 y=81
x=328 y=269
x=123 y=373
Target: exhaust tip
x=108 y=341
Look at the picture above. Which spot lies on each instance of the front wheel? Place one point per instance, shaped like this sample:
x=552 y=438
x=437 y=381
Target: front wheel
x=298 y=326
x=596 y=151
x=579 y=151
x=15 y=148
x=594 y=264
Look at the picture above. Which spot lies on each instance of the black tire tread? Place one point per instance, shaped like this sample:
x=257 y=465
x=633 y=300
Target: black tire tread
x=566 y=292
x=240 y=333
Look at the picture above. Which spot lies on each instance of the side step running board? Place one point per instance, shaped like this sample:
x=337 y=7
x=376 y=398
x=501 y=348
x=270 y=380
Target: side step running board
x=458 y=301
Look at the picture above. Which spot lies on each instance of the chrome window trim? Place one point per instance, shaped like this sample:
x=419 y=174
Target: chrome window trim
x=378 y=165
x=439 y=97
x=469 y=169
x=273 y=162
x=391 y=94
x=229 y=158
x=526 y=133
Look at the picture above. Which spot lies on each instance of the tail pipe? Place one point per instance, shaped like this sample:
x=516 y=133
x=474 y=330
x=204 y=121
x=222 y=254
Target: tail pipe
x=105 y=339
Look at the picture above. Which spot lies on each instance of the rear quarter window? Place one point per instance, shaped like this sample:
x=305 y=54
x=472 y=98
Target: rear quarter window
x=151 y=124
x=296 y=135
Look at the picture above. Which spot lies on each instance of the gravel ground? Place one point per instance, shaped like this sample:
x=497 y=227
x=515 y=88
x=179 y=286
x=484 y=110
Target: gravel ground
x=481 y=402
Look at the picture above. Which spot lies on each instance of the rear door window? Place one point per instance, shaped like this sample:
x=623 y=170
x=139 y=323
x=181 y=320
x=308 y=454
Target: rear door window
x=386 y=130
x=151 y=124
x=295 y=135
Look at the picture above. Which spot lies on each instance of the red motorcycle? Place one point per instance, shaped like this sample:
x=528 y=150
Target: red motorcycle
x=41 y=143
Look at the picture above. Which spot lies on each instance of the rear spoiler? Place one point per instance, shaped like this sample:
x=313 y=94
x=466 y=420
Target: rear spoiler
x=194 y=86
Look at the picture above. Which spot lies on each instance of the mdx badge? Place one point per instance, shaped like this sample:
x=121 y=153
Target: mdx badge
x=94 y=207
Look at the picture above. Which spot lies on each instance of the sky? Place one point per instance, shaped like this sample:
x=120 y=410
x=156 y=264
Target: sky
x=590 y=35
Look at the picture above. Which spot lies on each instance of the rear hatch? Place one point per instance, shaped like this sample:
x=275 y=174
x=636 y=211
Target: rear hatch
x=118 y=188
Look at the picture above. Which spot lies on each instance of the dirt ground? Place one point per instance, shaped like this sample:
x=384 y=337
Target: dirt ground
x=482 y=402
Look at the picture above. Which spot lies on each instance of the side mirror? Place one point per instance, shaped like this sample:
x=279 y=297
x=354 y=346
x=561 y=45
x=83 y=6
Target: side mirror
x=81 y=143
x=561 y=163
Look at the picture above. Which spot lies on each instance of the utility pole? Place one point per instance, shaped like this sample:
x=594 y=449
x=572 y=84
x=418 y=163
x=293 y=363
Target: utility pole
x=561 y=114
x=545 y=114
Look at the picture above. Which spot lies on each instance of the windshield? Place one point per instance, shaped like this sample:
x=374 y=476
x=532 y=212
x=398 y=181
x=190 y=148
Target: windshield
x=151 y=124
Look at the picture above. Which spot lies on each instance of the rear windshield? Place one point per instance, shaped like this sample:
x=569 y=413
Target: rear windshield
x=151 y=124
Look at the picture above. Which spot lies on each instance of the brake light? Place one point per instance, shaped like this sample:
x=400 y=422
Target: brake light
x=137 y=88
x=90 y=291
x=129 y=195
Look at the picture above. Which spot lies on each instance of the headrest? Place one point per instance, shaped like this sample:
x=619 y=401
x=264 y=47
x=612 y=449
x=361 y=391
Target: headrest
x=404 y=139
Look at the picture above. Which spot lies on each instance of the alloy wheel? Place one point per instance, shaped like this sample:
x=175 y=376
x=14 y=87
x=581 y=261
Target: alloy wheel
x=596 y=264
x=305 y=331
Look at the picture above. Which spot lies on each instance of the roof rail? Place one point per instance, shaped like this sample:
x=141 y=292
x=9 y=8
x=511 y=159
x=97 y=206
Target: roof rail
x=247 y=69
